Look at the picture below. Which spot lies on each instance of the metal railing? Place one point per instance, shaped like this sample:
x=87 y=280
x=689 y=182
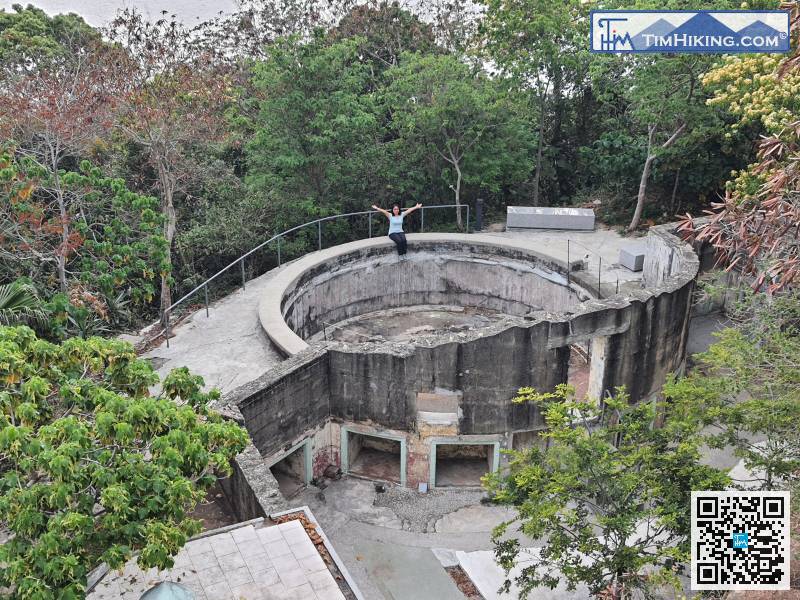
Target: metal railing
x=277 y=239
x=589 y=252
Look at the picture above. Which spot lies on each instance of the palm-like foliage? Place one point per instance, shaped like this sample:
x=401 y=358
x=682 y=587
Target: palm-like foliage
x=20 y=305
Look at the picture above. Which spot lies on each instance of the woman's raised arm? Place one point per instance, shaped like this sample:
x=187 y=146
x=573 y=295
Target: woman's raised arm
x=383 y=210
x=412 y=209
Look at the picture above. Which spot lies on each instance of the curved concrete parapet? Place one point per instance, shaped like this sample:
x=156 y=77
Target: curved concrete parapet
x=511 y=276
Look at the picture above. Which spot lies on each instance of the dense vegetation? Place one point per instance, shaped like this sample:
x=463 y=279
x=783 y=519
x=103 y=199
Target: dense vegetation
x=608 y=489
x=201 y=142
x=138 y=160
x=92 y=467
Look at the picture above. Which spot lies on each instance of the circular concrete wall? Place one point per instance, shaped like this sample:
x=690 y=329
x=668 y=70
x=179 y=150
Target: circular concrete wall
x=454 y=391
x=440 y=269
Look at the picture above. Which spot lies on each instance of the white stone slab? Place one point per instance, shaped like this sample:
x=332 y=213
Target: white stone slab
x=631 y=256
x=488 y=576
x=550 y=217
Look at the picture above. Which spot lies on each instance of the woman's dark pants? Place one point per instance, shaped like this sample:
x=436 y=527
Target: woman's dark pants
x=400 y=240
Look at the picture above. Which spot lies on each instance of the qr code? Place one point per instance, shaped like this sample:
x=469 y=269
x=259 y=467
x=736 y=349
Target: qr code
x=740 y=540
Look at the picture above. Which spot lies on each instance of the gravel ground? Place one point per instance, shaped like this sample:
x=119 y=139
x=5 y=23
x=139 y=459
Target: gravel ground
x=419 y=512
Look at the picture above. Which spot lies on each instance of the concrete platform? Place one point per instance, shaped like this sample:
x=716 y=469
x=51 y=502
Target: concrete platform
x=488 y=576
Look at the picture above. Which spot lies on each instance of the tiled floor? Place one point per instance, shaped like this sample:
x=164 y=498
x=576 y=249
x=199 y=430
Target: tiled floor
x=268 y=563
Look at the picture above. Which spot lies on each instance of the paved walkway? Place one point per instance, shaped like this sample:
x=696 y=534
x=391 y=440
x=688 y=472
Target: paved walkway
x=388 y=561
x=228 y=347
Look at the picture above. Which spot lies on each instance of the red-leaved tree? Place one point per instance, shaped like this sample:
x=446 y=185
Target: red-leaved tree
x=173 y=107
x=756 y=227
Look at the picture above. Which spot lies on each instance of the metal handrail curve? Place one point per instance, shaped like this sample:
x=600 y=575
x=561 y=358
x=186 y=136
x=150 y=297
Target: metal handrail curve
x=241 y=260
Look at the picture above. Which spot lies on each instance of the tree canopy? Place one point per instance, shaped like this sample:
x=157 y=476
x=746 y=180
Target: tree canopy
x=92 y=466
x=608 y=495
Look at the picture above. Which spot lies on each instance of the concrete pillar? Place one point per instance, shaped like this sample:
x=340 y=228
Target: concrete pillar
x=597 y=367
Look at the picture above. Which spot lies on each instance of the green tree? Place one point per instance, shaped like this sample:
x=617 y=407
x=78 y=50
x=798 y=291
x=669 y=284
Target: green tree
x=447 y=113
x=746 y=390
x=387 y=31
x=316 y=148
x=609 y=495
x=171 y=105
x=542 y=46
x=79 y=232
x=93 y=467
x=28 y=35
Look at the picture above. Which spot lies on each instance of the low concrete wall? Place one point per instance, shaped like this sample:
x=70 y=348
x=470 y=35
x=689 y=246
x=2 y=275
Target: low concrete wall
x=287 y=401
x=252 y=490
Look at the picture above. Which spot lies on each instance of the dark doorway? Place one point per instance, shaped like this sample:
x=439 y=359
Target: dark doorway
x=373 y=457
x=462 y=465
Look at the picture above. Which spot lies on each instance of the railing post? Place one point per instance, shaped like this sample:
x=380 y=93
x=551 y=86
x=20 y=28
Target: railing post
x=599 y=267
x=467 y=228
x=166 y=326
x=319 y=234
x=205 y=289
x=370 y=225
x=422 y=220
x=243 y=278
x=279 y=252
x=569 y=266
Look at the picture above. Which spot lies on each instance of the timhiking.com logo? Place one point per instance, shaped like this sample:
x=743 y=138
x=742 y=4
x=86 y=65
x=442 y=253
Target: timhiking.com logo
x=619 y=31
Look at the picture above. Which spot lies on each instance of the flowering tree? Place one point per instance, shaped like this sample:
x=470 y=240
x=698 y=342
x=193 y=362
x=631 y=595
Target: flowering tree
x=756 y=227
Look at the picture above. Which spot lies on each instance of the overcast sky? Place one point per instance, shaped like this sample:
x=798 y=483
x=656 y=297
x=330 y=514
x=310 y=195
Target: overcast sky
x=100 y=12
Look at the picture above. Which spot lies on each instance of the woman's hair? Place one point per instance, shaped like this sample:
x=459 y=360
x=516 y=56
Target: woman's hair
x=399 y=210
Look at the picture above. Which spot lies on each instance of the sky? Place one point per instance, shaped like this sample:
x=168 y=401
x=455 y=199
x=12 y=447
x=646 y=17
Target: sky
x=99 y=12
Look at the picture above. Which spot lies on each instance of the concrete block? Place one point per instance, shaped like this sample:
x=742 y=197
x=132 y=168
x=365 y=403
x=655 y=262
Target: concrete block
x=631 y=256
x=438 y=402
x=549 y=217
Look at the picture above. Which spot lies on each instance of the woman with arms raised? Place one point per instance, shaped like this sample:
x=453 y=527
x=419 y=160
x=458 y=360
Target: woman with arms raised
x=396 y=224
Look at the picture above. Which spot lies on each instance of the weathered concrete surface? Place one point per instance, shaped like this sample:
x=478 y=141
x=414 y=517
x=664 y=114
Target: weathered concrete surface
x=404 y=573
x=292 y=398
x=357 y=521
x=488 y=576
x=642 y=333
x=367 y=275
x=413 y=324
x=251 y=489
x=632 y=256
x=229 y=347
